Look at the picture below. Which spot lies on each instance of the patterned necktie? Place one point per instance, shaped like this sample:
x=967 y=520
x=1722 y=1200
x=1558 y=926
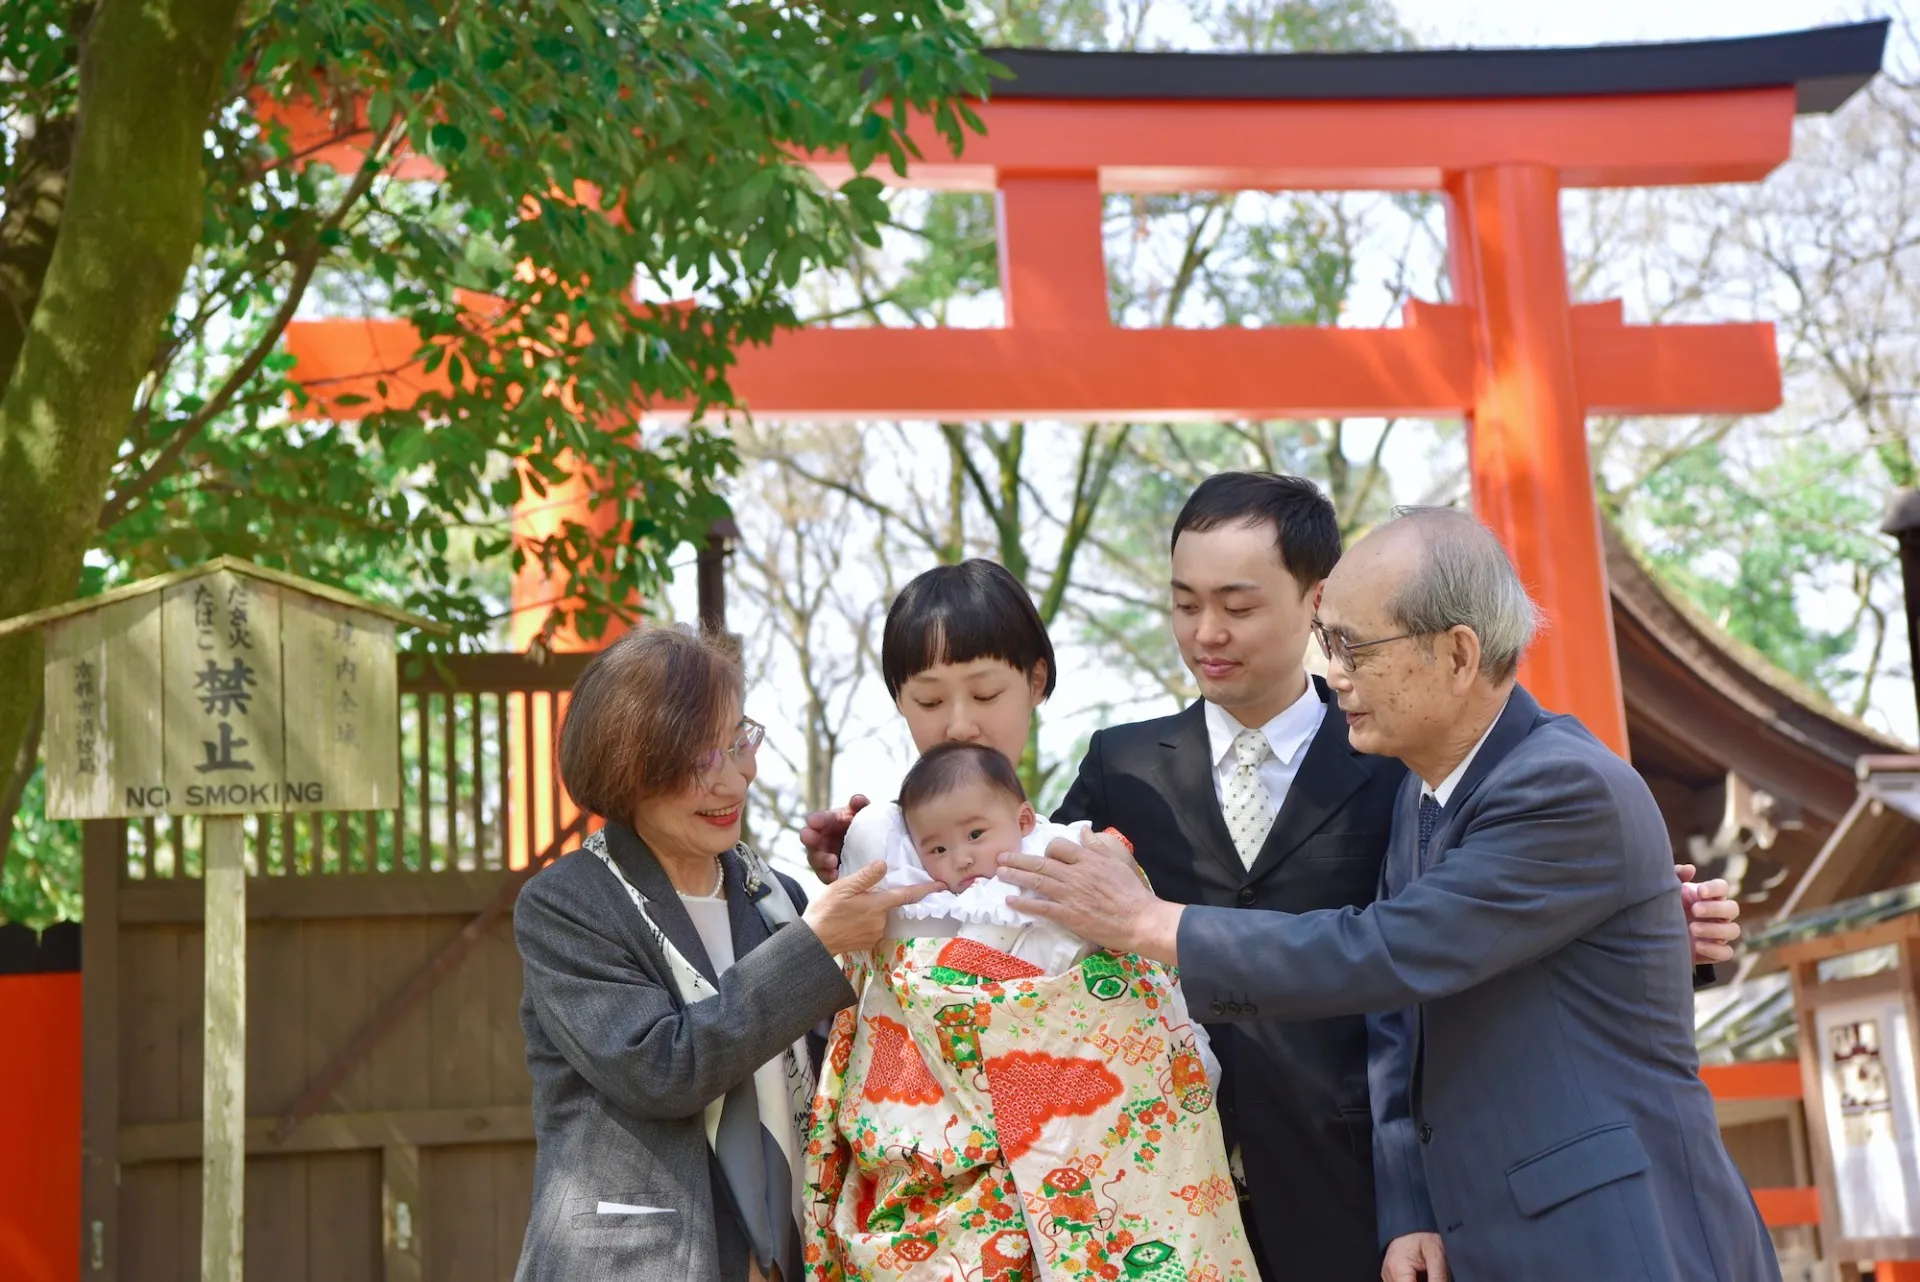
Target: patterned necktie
x=1244 y=799
x=1429 y=820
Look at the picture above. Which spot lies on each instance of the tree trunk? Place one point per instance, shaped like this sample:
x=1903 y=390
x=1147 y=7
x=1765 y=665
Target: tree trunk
x=149 y=73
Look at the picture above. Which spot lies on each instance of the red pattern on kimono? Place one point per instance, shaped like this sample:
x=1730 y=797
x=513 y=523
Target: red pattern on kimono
x=896 y=1071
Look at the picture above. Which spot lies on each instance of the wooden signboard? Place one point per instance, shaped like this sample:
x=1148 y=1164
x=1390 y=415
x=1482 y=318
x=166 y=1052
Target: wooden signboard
x=222 y=691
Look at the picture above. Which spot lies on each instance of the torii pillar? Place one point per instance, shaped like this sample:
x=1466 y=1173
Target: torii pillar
x=1527 y=430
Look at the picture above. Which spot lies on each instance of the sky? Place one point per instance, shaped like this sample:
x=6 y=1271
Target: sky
x=1536 y=22
x=874 y=764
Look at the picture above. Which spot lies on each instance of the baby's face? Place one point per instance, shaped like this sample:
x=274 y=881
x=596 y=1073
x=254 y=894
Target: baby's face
x=961 y=836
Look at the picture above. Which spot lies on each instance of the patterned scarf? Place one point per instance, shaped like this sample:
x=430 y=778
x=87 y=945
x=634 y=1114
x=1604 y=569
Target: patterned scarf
x=754 y=1129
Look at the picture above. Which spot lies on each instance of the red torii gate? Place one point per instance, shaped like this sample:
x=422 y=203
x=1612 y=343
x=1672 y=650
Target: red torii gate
x=1499 y=132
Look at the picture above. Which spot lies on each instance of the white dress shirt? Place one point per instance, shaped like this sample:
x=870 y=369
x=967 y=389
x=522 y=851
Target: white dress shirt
x=1444 y=793
x=1287 y=734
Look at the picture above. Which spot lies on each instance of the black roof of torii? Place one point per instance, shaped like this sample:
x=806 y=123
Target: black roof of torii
x=1825 y=65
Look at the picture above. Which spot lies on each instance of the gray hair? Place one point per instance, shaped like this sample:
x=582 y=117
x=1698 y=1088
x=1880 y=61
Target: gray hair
x=1468 y=581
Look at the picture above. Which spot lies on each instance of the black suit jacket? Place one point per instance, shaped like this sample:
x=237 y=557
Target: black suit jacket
x=1295 y=1094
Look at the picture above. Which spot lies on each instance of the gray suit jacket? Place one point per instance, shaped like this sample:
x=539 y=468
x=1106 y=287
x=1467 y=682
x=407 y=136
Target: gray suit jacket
x=623 y=1070
x=1554 y=1123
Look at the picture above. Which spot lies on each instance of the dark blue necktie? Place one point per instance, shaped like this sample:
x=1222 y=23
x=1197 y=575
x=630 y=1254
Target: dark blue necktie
x=1429 y=820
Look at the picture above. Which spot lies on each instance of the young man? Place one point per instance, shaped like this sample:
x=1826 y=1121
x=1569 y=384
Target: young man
x=1252 y=798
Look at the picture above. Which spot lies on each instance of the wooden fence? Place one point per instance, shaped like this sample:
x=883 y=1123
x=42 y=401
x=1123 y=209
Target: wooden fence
x=389 y=1134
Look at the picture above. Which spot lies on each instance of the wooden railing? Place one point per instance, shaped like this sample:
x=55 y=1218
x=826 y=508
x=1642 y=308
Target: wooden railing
x=479 y=789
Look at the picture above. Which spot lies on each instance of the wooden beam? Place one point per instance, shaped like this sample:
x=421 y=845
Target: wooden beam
x=1869 y=843
x=1782 y=1208
x=1053 y=271
x=1849 y=941
x=1884 y=983
x=489 y=673
x=1628 y=141
x=338 y=1133
x=320 y=896
x=1762 y=1079
x=1424 y=368
x=103 y=859
x=223 y=1095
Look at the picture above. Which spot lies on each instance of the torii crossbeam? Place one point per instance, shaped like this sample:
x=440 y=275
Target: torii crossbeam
x=1499 y=132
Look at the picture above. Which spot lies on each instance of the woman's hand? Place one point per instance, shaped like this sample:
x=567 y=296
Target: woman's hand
x=825 y=830
x=850 y=915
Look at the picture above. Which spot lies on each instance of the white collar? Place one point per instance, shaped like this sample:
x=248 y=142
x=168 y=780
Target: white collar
x=1444 y=793
x=1287 y=733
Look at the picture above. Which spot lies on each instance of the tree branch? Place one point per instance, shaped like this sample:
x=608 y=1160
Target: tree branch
x=121 y=501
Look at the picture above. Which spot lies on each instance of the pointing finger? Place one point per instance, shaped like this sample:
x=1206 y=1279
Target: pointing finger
x=1021 y=878
x=1067 y=852
x=909 y=894
x=864 y=880
x=1030 y=864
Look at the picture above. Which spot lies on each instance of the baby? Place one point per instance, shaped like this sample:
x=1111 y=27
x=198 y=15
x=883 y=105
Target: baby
x=969 y=1101
x=963 y=806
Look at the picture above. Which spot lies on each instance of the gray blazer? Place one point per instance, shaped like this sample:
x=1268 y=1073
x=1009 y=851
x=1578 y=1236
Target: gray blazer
x=1550 y=1119
x=622 y=1069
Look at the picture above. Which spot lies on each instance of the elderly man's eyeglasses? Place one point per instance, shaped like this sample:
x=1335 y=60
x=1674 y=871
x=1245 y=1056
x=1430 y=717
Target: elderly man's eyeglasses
x=1338 y=649
x=740 y=750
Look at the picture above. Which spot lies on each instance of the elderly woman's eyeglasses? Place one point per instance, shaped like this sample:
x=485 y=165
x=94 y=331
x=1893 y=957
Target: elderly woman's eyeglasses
x=741 y=749
x=1338 y=649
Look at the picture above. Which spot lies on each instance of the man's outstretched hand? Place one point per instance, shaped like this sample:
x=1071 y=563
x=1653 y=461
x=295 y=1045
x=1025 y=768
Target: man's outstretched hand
x=823 y=833
x=1712 y=916
x=1095 y=891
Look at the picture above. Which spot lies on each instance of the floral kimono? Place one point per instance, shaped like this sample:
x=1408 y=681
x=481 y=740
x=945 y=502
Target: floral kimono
x=973 y=1112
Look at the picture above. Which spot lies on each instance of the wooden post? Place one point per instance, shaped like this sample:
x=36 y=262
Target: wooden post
x=103 y=861
x=224 y=1091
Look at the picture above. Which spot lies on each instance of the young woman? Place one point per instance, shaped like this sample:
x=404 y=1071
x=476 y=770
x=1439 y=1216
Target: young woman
x=977 y=1115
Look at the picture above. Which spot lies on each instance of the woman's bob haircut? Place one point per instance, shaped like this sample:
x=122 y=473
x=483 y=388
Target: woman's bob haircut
x=960 y=613
x=643 y=714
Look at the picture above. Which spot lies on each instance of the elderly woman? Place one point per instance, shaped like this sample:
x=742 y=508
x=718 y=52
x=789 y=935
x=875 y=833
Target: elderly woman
x=672 y=981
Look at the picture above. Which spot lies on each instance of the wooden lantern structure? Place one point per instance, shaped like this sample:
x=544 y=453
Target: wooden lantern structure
x=1855 y=970
x=223 y=690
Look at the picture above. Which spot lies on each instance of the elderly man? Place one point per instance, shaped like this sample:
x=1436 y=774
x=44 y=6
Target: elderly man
x=1528 y=958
